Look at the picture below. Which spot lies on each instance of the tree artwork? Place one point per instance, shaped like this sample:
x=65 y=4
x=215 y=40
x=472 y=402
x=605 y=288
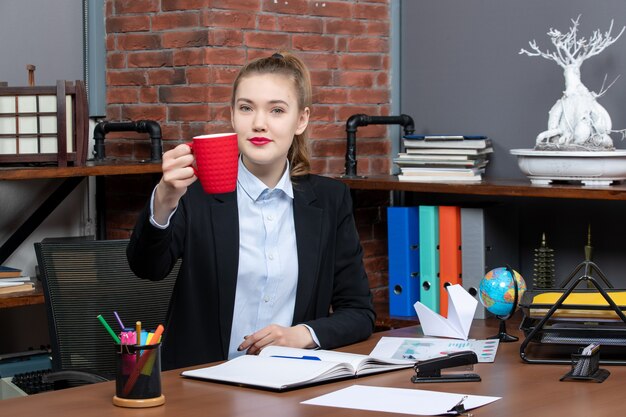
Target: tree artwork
x=576 y=122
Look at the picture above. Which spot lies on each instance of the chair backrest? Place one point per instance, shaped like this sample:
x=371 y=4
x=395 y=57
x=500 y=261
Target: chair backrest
x=84 y=278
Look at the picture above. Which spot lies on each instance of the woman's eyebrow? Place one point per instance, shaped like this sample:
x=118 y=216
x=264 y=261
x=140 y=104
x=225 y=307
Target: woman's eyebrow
x=277 y=101
x=283 y=102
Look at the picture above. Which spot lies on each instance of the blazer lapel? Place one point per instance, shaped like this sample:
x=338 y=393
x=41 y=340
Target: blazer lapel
x=308 y=225
x=225 y=221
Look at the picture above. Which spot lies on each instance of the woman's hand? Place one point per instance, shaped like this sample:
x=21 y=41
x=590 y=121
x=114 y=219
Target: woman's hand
x=296 y=336
x=177 y=176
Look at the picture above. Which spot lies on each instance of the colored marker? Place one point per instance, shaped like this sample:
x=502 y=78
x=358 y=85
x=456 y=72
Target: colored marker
x=119 y=320
x=138 y=331
x=153 y=339
x=108 y=328
x=156 y=335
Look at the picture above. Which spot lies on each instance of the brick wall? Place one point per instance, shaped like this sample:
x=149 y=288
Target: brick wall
x=173 y=61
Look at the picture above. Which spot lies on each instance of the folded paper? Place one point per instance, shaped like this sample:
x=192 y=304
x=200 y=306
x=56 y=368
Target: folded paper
x=461 y=307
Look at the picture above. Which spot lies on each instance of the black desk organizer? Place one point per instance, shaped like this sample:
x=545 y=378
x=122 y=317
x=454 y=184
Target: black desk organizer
x=549 y=340
x=586 y=367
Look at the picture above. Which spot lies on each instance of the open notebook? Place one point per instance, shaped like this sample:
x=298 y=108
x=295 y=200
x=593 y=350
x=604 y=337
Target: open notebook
x=281 y=368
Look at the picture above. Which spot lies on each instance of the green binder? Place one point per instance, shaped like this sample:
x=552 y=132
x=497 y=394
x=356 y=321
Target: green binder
x=429 y=256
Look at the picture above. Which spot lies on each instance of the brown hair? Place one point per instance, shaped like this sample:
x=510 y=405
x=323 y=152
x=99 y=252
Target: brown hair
x=289 y=65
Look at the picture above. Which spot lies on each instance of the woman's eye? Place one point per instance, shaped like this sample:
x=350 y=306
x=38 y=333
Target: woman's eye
x=245 y=108
x=278 y=110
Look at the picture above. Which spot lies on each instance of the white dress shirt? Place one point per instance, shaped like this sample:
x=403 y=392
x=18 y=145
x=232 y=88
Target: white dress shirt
x=267 y=276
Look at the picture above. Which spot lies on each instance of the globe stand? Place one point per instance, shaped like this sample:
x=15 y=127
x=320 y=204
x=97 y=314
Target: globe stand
x=502 y=335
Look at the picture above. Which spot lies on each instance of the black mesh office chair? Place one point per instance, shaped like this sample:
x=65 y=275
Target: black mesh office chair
x=82 y=279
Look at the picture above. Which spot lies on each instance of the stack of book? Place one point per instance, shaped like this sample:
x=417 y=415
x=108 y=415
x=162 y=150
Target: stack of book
x=443 y=158
x=12 y=281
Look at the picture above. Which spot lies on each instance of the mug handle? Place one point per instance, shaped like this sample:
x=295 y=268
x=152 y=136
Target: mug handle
x=195 y=170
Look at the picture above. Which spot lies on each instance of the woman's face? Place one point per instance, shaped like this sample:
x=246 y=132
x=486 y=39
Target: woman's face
x=266 y=117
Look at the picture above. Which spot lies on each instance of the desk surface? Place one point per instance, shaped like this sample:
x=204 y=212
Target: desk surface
x=526 y=390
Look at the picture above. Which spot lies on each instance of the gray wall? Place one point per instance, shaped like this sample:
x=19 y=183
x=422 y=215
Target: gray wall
x=48 y=34
x=461 y=71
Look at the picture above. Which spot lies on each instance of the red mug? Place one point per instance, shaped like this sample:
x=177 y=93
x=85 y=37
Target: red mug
x=216 y=161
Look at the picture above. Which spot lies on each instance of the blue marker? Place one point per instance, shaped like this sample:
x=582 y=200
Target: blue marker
x=144 y=337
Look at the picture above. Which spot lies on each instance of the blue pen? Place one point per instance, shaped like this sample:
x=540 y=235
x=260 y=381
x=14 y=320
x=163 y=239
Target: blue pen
x=308 y=358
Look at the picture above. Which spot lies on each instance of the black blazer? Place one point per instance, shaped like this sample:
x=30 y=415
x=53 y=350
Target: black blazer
x=332 y=296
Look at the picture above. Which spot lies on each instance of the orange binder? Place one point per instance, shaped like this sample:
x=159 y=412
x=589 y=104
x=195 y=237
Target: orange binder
x=449 y=252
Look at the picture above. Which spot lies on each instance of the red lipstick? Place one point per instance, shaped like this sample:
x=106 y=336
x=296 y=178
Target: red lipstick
x=259 y=141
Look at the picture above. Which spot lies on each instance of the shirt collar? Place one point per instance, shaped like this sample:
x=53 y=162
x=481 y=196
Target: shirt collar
x=254 y=187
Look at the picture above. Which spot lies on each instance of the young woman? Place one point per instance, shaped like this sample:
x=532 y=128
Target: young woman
x=278 y=261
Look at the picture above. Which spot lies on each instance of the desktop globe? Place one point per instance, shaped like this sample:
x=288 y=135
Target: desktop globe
x=497 y=291
x=500 y=291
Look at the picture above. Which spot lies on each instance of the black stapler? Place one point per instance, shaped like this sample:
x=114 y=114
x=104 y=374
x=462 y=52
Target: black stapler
x=430 y=370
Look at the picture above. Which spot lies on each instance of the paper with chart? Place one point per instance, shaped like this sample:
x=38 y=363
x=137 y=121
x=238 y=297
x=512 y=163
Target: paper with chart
x=422 y=348
x=399 y=400
x=461 y=307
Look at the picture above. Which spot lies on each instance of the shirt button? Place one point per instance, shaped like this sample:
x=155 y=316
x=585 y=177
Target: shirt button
x=271 y=257
x=270 y=217
x=266 y=299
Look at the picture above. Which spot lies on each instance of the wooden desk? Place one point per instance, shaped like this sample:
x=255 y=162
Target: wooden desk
x=526 y=390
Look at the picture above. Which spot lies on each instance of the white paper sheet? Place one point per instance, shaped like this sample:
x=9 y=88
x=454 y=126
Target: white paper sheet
x=461 y=307
x=423 y=348
x=398 y=400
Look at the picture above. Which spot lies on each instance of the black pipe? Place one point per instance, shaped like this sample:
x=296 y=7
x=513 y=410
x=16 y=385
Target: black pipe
x=142 y=126
x=357 y=120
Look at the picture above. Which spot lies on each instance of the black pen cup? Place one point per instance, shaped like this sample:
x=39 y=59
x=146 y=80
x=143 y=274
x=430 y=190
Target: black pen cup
x=138 y=376
x=586 y=367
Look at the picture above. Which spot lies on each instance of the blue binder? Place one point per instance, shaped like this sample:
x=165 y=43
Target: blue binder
x=403 y=238
x=429 y=256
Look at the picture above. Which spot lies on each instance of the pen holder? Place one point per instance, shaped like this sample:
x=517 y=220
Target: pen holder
x=586 y=367
x=138 y=376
